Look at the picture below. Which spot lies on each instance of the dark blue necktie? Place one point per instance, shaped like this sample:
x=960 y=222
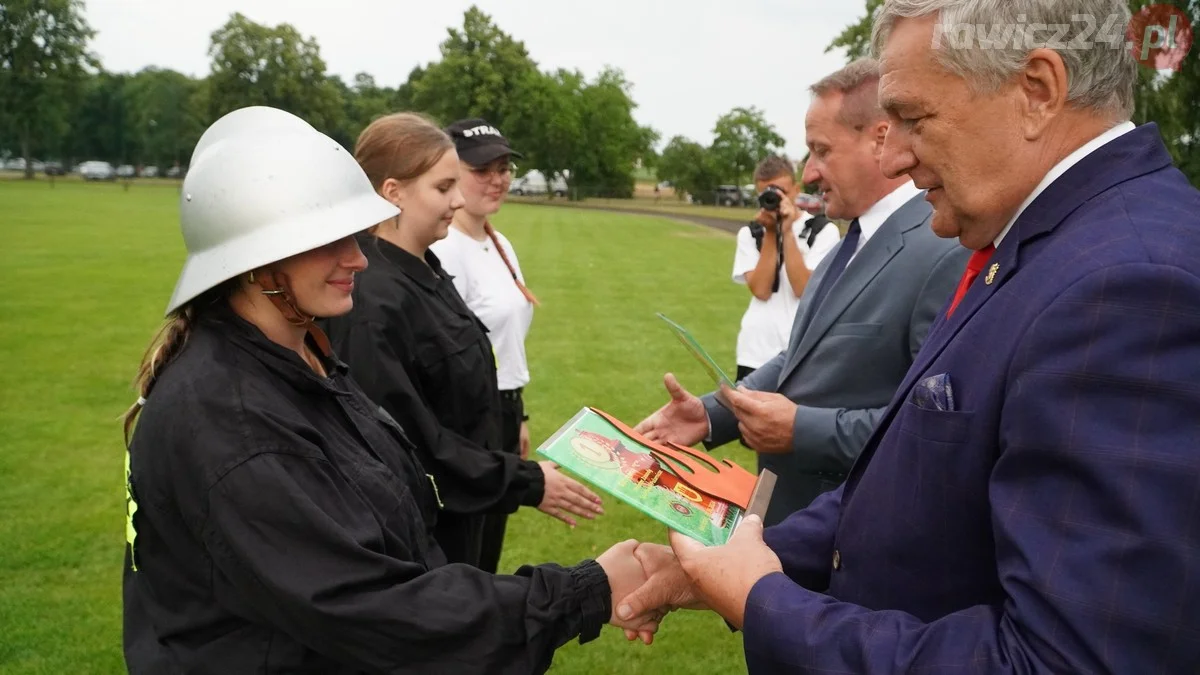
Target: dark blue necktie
x=847 y=249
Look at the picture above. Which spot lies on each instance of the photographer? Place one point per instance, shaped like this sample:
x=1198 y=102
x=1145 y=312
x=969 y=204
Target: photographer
x=775 y=267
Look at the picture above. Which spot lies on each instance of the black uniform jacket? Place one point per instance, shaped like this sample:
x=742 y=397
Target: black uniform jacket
x=417 y=349
x=283 y=525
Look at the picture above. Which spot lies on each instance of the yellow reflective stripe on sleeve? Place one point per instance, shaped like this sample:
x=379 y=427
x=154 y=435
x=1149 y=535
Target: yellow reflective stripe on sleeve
x=436 y=496
x=130 y=509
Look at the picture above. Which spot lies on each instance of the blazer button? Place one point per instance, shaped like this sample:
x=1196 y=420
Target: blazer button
x=837 y=559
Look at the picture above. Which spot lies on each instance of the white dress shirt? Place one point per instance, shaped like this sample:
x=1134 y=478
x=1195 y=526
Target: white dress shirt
x=874 y=217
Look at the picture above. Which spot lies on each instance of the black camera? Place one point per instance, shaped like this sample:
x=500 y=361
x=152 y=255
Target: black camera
x=770 y=199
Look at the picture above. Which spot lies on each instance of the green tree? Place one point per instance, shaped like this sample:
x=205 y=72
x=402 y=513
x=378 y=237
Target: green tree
x=406 y=93
x=344 y=130
x=689 y=166
x=43 y=63
x=856 y=38
x=742 y=139
x=99 y=122
x=546 y=121
x=370 y=100
x=563 y=124
x=159 y=116
x=480 y=68
x=612 y=142
x=199 y=117
x=254 y=64
x=364 y=101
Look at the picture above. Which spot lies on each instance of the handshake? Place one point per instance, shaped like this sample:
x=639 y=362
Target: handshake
x=648 y=581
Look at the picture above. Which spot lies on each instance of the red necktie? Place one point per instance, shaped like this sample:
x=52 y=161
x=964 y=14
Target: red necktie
x=979 y=260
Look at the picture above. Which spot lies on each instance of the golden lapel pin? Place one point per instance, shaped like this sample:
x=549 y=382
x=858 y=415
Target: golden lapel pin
x=992 y=273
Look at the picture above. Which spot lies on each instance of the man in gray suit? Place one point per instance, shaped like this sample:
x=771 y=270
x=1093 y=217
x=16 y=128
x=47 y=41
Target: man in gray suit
x=862 y=318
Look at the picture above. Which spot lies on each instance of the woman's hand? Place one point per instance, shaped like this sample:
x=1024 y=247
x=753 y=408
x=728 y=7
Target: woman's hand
x=564 y=496
x=523 y=435
x=626 y=574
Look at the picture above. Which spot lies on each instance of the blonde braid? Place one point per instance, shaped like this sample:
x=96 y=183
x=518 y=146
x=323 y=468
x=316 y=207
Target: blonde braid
x=163 y=348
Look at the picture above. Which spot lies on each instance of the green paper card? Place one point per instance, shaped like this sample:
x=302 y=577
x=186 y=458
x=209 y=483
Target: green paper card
x=604 y=456
x=714 y=371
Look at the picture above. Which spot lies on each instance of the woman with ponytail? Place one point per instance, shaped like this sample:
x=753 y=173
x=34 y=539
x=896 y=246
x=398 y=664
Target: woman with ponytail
x=420 y=352
x=488 y=276
x=278 y=520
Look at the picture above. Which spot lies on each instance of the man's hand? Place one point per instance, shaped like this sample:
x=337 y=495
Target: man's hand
x=765 y=420
x=625 y=575
x=723 y=576
x=564 y=495
x=767 y=219
x=523 y=442
x=682 y=420
x=667 y=588
x=789 y=213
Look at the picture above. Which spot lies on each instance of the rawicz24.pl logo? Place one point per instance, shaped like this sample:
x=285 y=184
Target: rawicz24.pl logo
x=1159 y=36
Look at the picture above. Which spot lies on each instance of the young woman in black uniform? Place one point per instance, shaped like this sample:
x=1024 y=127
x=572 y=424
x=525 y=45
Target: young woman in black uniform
x=487 y=275
x=418 y=351
x=279 y=521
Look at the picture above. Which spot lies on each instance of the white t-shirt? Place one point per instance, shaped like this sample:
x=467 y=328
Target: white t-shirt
x=767 y=324
x=484 y=282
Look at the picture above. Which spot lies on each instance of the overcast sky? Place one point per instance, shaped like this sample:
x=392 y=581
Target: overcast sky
x=690 y=61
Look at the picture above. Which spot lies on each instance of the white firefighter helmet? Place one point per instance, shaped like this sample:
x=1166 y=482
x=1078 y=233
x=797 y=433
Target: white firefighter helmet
x=265 y=186
x=249 y=120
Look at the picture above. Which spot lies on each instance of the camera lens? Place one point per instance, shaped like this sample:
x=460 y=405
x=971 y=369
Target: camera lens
x=770 y=200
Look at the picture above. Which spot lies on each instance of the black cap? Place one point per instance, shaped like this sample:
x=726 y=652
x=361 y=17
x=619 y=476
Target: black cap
x=478 y=142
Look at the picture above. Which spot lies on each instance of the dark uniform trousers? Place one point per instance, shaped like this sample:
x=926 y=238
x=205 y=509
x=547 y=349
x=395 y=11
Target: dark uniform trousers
x=512 y=412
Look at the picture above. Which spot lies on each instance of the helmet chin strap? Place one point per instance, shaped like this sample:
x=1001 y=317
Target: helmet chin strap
x=275 y=286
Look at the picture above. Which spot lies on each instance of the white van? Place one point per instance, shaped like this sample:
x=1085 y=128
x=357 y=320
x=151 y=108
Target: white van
x=534 y=183
x=96 y=170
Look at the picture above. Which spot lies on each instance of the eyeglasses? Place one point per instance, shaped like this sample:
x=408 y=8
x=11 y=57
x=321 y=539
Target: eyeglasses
x=485 y=173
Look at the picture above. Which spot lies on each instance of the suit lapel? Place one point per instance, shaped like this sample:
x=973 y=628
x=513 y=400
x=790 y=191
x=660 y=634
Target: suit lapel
x=1001 y=266
x=943 y=330
x=862 y=270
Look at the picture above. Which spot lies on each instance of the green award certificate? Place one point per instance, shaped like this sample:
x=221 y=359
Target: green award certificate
x=608 y=458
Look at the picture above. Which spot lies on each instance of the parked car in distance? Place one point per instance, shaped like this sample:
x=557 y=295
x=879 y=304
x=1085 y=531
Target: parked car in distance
x=126 y=171
x=97 y=170
x=731 y=195
x=55 y=169
x=810 y=203
x=534 y=183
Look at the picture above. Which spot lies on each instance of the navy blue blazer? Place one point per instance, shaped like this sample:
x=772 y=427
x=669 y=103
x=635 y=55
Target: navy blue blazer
x=1050 y=521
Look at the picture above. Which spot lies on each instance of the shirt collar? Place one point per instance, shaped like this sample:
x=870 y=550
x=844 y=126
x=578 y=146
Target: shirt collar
x=877 y=215
x=285 y=363
x=1062 y=167
x=427 y=273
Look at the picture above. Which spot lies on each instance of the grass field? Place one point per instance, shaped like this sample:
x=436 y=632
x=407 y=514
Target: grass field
x=87 y=272
x=665 y=205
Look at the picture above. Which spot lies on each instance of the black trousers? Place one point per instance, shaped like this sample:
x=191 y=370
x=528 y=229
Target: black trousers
x=512 y=409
